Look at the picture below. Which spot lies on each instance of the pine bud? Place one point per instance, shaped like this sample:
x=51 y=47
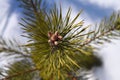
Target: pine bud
x=53 y=37
x=56 y=33
x=56 y=43
x=60 y=37
x=49 y=41
x=50 y=34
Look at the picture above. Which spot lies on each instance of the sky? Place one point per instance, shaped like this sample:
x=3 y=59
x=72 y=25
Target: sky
x=93 y=12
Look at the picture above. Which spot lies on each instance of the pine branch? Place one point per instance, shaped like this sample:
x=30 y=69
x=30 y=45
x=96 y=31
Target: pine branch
x=97 y=37
x=54 y=43
x=20 y=73
x=21 y=70
x=34 y=7
x=12 y=47
x=9 y=50
x=109 y=27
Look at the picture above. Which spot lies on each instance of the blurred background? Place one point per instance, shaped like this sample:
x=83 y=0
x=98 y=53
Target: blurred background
x=93 y=12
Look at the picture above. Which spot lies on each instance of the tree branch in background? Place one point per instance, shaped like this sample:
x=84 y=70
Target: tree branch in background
x=19 y=74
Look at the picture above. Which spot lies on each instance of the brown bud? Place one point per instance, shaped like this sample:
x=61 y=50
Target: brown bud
x=50 y=34
x=60 y=37
x=55 y=43
x=56 y=33
x=53 y=37
x=49 y=41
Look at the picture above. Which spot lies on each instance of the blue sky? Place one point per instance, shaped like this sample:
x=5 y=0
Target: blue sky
x=93 y=12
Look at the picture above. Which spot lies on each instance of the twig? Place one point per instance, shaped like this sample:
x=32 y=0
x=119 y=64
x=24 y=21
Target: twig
x=97 y=37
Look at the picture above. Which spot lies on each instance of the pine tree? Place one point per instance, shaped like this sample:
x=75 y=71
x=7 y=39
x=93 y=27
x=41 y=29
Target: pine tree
x=57 y=46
